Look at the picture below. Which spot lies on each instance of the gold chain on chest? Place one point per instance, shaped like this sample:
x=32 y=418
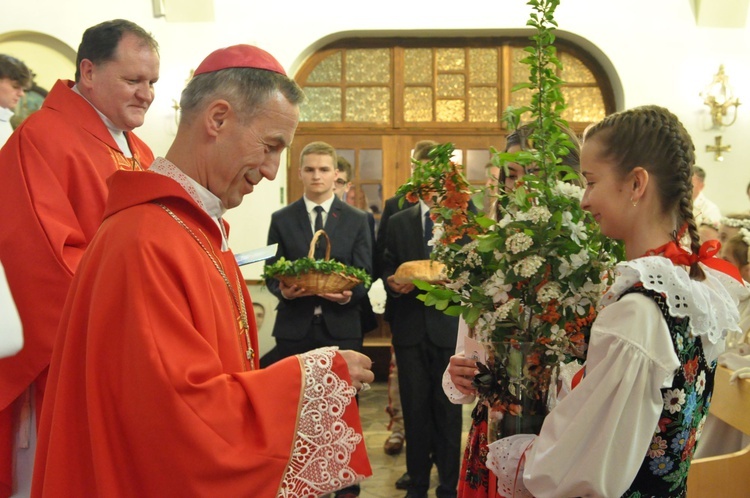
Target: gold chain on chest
x=237 y=300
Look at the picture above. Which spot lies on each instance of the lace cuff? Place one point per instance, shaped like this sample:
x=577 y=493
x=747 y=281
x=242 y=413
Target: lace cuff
x=454 y=395
x=324 y=443
x=506 y=460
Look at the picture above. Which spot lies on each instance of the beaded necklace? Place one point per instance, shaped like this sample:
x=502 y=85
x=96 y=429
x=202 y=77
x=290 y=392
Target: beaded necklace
x=239 y=302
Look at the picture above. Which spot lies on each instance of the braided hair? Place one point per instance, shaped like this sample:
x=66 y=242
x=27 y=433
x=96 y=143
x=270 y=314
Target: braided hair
x=655 y=139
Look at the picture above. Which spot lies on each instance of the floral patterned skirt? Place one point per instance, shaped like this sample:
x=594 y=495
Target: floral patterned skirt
x=476 y=480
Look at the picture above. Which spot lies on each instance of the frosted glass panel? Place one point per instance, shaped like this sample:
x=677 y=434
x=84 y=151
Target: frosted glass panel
x=450 y=110
x=584 y=104
x=451 y=86
x=476 y=164
x=418 y=65
x=348 y=154
x=371 y=164
x=366 y=104
x=483 y=66
x=451 y=59
x=574 y=71
x=483 y=105
x=418 y=104
x=327 y=71
x=458 y=156
x=368 y=65
x=519 y=71
x=322 y=104
x=373 y=197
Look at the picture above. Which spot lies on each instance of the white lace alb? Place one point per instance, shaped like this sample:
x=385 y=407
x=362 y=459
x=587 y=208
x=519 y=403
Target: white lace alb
x=324 y=442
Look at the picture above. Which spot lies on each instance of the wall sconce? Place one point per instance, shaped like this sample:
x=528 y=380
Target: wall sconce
x=719 y=97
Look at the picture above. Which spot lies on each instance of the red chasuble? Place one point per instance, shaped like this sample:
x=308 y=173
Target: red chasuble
x=150 y=391
x=52 y=194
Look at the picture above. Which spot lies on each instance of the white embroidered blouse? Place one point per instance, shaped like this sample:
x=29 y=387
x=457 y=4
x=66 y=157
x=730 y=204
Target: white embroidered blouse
x=594 y=441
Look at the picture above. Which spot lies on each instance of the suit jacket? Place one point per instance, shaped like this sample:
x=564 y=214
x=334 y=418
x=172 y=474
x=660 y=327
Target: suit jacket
x=391 y=207
x=411 y=320
x=351 y=244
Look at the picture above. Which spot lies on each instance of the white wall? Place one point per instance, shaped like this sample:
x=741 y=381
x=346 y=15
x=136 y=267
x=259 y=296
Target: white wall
x=658 y=54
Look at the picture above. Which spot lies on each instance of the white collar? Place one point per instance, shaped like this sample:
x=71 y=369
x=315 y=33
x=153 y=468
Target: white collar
x=710 y=304
x=201 y=195
x=117 y=134
x=5 y=114
x=423 y=207
x=310 y=205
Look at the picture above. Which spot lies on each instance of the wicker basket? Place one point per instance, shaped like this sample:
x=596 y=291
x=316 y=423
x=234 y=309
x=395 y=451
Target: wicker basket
x=321 y=283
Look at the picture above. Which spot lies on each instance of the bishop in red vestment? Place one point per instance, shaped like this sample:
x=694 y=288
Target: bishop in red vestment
x=54 y=170
x=154 y=387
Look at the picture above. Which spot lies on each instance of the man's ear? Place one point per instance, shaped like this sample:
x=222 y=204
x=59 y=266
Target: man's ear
x=216 y=115
x=86 y=70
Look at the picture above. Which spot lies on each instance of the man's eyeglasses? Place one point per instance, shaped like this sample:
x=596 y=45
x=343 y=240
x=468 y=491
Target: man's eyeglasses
x=340 y=181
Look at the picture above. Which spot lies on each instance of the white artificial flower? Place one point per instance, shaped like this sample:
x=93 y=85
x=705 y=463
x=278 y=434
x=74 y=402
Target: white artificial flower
x=576 y=261
x=496 y=288
x=437 y=234
x=502 y=312
x=565 y=268
x=568 y=190
x=469 y=247
x=578 y=230
x=458 y=283
x=537 y=214
x=507 y=219
x=518 y=242
x=528 y=266
x=549 y=292
x=579 y=259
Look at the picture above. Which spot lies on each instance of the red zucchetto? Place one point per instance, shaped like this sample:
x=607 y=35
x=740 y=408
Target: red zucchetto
x=239 y=56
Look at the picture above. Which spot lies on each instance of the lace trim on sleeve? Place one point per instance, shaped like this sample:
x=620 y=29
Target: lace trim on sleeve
x=324 y=443
x=505 y=458
x=454 y=395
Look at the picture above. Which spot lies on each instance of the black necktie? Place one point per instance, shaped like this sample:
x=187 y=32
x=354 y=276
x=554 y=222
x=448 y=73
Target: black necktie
x=319 y=218
x=319 y=254
x=428 y=224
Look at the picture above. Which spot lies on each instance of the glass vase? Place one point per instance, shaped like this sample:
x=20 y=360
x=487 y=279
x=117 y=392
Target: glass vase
x=523 y=381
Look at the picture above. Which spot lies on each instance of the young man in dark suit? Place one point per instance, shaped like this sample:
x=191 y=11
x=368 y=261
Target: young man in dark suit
x=305 y=321
x=395 y=441
x=424 y=340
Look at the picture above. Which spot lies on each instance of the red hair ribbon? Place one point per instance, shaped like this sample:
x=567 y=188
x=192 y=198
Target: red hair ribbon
x=706 y=255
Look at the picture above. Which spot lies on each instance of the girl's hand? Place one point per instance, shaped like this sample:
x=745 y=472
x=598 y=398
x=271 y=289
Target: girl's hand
x=462 y=371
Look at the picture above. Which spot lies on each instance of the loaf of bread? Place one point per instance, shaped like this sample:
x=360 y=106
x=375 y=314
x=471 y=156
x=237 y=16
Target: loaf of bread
x=423 y=269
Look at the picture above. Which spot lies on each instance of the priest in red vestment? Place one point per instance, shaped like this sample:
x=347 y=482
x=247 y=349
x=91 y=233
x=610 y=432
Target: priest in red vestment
x=54 y=170
x=154 y=386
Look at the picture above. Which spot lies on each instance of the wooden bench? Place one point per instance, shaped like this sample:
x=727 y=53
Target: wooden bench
x=725 y=476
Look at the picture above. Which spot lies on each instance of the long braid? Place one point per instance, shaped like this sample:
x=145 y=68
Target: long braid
x=652 y=137
x=684 y=162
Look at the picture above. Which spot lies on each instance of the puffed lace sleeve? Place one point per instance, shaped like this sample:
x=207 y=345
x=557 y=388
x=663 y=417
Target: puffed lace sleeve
x=616 y=405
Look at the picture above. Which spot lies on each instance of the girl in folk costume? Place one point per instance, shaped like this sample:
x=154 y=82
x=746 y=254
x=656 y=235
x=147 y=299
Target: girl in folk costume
x=630 y=424
x=475 y=479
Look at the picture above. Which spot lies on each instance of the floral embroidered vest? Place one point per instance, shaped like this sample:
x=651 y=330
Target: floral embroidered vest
x=665 y=467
